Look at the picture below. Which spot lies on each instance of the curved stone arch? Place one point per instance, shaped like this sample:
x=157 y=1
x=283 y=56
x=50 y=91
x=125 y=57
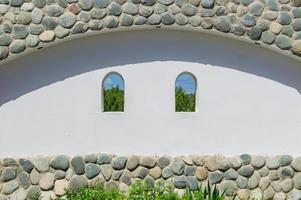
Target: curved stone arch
x=29 y=26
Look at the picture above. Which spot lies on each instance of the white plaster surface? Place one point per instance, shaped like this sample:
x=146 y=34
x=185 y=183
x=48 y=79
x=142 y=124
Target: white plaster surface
x=248 y=98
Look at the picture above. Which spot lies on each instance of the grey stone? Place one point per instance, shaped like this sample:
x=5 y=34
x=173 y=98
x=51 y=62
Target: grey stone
x=126 y=178
x=102 y=3
x=60 y=162
x=37 y=15
x=116 y=175
x=92 y=170
x=59 y=174
x=166 y=2
x=24 y=180
x=284 y=18
x=231 y=174
x=255 y=33
x=3 y=9
x=104 y=159
x=179 y=182
x=126 y=20
x=33 y=192
x=26 y=164
x=84 y=16
x=297 y=181
x=49 y=23
x=192 y=183
x=224 y=165
x=263 y=24
x=296 y=3
x=248 y=20
x=79 y=27
x=287 y=30
x=3 y=52
x=112 y=185
x=287 y=185
x=236 y=162
x=189 y=9
x=273 y=175
x=264 y=183
x=145 y=11
x=8 y=174
x=268 y=37
x=47 y=36
x=150 y=181
x=297 y=25
x=74 y=8
x=159 y=9
x=148 y=2
x=296 y=164
x=20 y=31
x=254 y=181
x=148 y=161
x=283 y=42
x=242 y=182
x=139 y=20
x=36 y=29
x=19 y=194
x=286 y=172
x=77 y=182
x=246 y=2
x=114 y=9
x=86 y=4
x=237 y=29
x=256 y=8
x=230 y=187
x=130 y=8
x=268 y=193
x=215 y=177
x=24 y=18
x=140 y=172
x=97 y=13
x=207 y=3
x=133 y=163
x=296 y=12
x=195 y=20
x=167 y=172
x=78 y=165
x=246 y=171
x=10 y=187
x=167 y=18
x=5 y=40
x=297 y=47
x=63 y=3
x=17 y=46
x=111 y=22
x=16 y=3
x=177 y=167
x=190 y=170
x=39 y=3
x=181 y=19
x=207 y=12
x=54 y=10
x=47 y=181
x=95 y=24
x=272 y=5
x=9 y=162
x=34 y=177
x=119 y=163
x=106 y=171
x=222 y=24
x=7 y=27
x=67 y=20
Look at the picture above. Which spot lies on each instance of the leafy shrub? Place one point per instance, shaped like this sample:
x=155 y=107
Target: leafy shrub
x=113 y=100
x=184 y=102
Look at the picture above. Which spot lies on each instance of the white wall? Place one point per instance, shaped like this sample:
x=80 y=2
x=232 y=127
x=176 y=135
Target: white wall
x=248 y=98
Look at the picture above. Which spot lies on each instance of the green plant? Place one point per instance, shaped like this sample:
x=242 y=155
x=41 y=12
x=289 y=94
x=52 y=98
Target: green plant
x=113 y=100
x=184 y=102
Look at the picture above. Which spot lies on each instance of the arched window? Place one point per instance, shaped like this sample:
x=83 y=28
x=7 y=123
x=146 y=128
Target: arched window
x=113 y=93
x=185 y=92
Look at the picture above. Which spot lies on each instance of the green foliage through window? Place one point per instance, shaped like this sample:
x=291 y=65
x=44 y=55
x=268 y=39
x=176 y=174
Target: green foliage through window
x=184 y=102
x=113 y=100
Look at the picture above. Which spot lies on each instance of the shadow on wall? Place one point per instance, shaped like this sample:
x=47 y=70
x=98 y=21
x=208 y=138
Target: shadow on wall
x=71 y=58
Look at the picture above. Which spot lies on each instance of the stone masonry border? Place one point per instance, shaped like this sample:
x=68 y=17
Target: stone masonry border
x=258 y=177
x=28 y=25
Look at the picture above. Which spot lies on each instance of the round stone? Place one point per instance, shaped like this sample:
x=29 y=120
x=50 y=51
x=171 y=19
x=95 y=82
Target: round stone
x=284 y=18
x=246 y=171
x=177 y=167
x=253 y=181
x=167 y=18
x=286 y=172
x=104 y=159
x=256 y=8
x=78 y=165
x=207 y=3
x=67 y=20
x=145 y=11
x=8 y=174
x=60 y=187
x=24 y=18
x=106 y=171
x=10 y=187
x=126 y=178
x=111 y=22
x=86 y=4
x=37 y=15
x=189 y=9
x=114 y=9
x=287 y=185
x=231 y=174
x=3 y=9
x=20 y=31
x=248 y=20
x=49 y=22
x=47 y=36
x=79 y=27
x=20 y=194
x=60 y=162
x=39 y=3
x=242 y=182
x=224 y=165
x=155 y=172
x=255 y=33
x=92 y=170
x=235 y=162
x=140 y=172
x=268 y=193
x=296 y=12
x=273 y=175
x=154 y=19
x=179 y=182
x=33 y=192
x=27 y=7
x=268 y=37
x=54 y=10
x=279 y=196
x=47 y=181
x=243 y=194
x=95 y=24
x=190 y=170
x=26 y=164
x=34 y=177
x=119 y=163
x=97 y=13
x=148 y=161
x=126 y=20
x=140 y=20
x=59 y=174
x=297 y=181
x=215 y=177
x=133 y=163
x=17 y=46
x=166 y=2
x=16 y=3
x=222 y=24
x=283 y=42
x=130 y=8
x=24 y=180
x=192 y=183
x=102 y=3
x=181 y=19
x=272 y=5
x=297 y=50
x=230 y=187
x=159 y=9
x=275 y=27
x=264 y=183
x=201 y=173
x=195 y=20
x=84 y=16
x=148 y=2
x=77 y=182
x=166 y=172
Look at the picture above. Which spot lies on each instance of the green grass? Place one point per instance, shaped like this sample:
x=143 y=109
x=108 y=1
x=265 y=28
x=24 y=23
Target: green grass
x=143 y=191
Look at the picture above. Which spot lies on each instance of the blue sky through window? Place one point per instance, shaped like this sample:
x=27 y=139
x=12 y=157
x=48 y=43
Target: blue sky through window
x=113 y=80
x=187 y=82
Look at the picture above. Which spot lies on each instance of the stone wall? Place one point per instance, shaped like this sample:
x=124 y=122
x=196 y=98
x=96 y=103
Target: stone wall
x=247 y=176
x=31 y=24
